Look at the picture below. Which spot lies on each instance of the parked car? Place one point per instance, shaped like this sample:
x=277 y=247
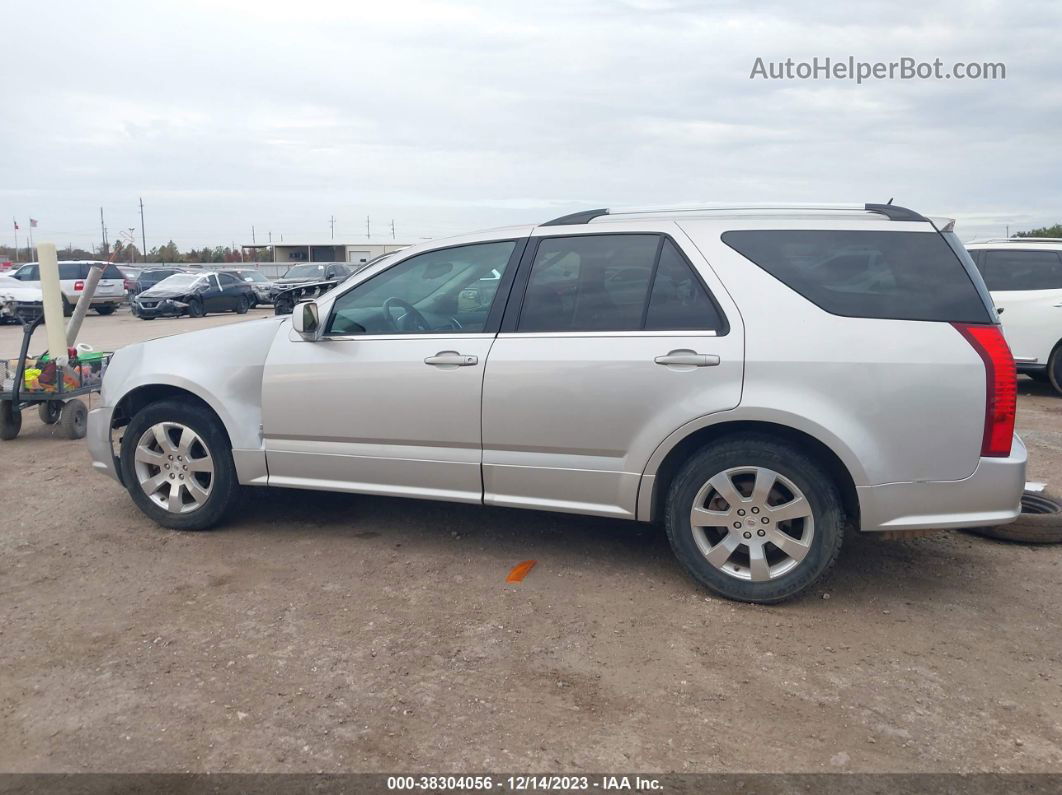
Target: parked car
x=14 y=293
x=262 y=287
x=778 y=376
x=194 y=294
x=311 y=272
x=130 y=274
x=1024 y=276
x=149 y=277
x=286 y=295
x=72 y=276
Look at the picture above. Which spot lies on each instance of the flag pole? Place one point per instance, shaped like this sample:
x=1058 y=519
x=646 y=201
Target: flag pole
x=31 y=240
x=14 y=223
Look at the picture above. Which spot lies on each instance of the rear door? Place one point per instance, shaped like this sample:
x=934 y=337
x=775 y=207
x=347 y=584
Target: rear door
x=610 y=342
x=1027 y=286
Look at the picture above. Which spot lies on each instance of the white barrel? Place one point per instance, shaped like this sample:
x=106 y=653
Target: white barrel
x=53 y=301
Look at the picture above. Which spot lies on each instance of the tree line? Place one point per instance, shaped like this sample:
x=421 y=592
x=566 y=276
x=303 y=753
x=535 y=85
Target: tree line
x=121 y=252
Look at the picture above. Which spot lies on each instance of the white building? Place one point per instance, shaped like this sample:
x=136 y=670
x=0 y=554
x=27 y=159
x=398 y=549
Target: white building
x=332 y=251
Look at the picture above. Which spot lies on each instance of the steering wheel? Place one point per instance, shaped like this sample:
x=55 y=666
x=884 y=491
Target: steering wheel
x=413 y=320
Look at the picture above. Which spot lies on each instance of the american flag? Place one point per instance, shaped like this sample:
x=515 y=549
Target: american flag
x=33 y=222
x=15 y=223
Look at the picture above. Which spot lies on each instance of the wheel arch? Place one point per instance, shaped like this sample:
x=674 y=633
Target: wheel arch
x=677 y=448
x=139 y=397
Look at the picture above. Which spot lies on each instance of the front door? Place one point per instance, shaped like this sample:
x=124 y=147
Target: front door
x=387 y=401
x=618 y=342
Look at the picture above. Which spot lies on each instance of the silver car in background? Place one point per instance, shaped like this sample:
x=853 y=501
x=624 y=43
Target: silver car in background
x=757 y=380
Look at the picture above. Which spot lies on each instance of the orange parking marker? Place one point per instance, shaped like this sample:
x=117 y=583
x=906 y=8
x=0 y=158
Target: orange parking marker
x=520 y=570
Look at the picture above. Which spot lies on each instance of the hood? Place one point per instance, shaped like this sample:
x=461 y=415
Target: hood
x=15 y=290
x=164 y=292
x=292 y=280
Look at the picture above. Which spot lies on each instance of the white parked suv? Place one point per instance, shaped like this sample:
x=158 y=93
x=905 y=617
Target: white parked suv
x=756 y=380
x=1024 y=275
x=110 y=292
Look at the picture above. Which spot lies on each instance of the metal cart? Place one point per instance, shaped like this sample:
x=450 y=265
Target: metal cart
x=56 y=402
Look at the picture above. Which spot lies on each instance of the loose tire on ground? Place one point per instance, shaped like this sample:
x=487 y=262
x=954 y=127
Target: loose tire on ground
x=73 y=419
x=1040 y=522
x=173 y=416
x=10 y=420
x=814 y=541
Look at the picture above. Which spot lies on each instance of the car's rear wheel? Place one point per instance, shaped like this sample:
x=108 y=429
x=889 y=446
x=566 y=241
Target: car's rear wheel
x=68 y=308
x=177 y=465
x=754 y=519
x=1054 y=369
x=242 y=305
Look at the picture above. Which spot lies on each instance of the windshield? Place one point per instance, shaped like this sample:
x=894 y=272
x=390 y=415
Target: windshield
x=304 y=271
x=182 y=281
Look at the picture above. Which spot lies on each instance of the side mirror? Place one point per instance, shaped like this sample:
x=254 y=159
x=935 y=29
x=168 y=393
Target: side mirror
x=306 y=320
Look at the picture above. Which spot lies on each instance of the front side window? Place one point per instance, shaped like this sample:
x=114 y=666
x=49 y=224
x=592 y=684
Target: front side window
x=1021 y=270
x=445 y=291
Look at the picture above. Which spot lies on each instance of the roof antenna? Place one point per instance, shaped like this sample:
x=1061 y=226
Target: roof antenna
x=889 y=201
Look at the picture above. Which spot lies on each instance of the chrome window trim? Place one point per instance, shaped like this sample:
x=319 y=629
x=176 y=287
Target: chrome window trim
x=454 y=334
x=576 y=334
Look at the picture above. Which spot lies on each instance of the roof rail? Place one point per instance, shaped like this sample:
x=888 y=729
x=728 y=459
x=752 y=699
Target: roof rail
x=1018 y=240
x=585 y=217
x=891 y=211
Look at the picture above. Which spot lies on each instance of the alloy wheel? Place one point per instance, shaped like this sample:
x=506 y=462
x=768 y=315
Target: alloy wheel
x=174 y=467
x=752 y=523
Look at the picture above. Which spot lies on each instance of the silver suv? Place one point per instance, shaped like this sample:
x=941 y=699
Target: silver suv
x=756 y=380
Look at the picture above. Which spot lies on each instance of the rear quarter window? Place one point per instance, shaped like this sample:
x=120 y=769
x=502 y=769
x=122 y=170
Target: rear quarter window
x=1021 y=270
x=873 y=274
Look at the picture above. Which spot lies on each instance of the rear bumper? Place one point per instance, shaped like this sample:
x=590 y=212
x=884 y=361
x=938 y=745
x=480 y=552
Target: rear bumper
x=990 y=496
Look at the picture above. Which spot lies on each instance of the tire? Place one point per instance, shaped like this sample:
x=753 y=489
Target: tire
x=1040 y=522
x=242 y=305
x=10 y=420
x=73 y=419
x=68 y=308
x=145 y=318
x=49 y=411
x=813 y=536
x=196 y=308
x=1054 y=370
x=105 y=310
x=217 y=490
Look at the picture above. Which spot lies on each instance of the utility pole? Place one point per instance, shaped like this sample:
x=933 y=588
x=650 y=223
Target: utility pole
x=253 y=241
x=1008 y=231
x=392 y=228
x=103 y=233
x=143 y=234
x=368 y=228
x=332 y=221
x=14 y=223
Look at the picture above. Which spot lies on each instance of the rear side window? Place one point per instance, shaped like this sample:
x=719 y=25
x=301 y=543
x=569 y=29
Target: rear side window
x=890 y=275
x=228 y=280
x=679 y=300
x=615 y=283
x=1021 y=270
x=589 y=283
x=72 y=270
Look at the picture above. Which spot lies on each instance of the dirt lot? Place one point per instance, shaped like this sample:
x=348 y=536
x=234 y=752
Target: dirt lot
x=342 y=633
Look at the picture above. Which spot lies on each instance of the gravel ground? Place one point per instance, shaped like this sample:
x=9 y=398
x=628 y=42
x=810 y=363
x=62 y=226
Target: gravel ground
x=346 y=633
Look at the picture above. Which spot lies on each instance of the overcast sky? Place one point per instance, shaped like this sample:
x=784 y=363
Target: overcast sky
x=448 y=117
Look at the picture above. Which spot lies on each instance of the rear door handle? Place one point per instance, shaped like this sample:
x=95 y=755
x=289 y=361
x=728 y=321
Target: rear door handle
x=687 y=358
x=452 y=359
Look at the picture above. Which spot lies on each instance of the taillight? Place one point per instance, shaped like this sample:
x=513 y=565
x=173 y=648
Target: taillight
x=1001 y=380
x=128 y=285
x=79 y=285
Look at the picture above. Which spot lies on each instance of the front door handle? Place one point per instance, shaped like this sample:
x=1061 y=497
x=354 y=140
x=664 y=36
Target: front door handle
x=452 y=359
x=688 y=358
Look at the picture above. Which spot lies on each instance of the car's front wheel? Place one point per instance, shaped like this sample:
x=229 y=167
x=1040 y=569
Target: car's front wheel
x=196 y=308
x=754 y=519
x=177 y=465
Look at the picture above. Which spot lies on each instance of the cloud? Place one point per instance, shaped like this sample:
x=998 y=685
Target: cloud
x=452 y=116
